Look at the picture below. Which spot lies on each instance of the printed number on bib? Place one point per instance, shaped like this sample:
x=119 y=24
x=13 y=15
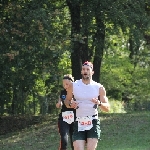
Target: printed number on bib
x=68 y=116
x=84 y=123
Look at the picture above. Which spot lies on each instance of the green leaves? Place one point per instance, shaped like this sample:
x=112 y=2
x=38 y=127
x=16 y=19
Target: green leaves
x=31 y=41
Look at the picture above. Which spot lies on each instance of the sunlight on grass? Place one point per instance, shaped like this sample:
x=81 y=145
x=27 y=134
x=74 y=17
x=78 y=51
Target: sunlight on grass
x=125 y=132
x=119 y=132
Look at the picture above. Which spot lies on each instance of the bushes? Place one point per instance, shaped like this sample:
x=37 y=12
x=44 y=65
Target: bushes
x=117 y=106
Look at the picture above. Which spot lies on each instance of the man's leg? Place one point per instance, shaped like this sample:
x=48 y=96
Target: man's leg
x=93 y=135
x=79 y=145
x=92 y=143
x=79 y=138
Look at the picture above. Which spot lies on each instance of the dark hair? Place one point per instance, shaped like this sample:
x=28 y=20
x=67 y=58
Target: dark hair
x=69 y=77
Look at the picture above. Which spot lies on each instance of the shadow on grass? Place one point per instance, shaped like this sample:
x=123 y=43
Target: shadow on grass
x=119 y=132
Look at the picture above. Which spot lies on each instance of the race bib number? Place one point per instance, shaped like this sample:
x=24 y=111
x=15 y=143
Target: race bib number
x=84 y=123
x=68 y=116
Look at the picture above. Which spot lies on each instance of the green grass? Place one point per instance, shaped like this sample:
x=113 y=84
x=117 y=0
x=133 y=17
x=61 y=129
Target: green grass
x=119 y=132
x=125 y=132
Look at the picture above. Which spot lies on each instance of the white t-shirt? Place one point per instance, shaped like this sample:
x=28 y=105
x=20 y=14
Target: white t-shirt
x=83 y=94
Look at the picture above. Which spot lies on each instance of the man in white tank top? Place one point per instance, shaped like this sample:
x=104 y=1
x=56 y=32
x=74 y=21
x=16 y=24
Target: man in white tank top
x=86 y=92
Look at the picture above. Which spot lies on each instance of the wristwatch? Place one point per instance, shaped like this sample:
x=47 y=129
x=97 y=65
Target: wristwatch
x=70 y=104
x=100 y=103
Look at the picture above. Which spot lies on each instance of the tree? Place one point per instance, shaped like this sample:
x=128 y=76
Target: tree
x=30 y=51
x=90 y=19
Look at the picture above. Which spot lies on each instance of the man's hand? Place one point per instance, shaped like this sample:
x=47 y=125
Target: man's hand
x=95 y=101
x=73 y=104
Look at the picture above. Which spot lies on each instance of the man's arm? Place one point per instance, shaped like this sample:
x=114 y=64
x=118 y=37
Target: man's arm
x=104 y=105
x=69 y=102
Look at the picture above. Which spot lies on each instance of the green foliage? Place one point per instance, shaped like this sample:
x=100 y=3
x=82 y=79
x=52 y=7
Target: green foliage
x=124 y=80
x=30 y=51
x=116 y=106
x=43 y=40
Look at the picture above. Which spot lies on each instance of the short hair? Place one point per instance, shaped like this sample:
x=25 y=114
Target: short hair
x=69 y=77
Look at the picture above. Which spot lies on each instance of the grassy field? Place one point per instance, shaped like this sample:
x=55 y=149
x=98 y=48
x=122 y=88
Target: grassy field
x=119 y=132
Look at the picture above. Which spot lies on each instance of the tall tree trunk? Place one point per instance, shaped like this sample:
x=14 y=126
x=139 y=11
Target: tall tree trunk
x=14 y=103
x=80 y=50
x=134 y=51
x=74 y=7
x=99 y=48
x=1 y=107
x=131 y=48
x=85 y=31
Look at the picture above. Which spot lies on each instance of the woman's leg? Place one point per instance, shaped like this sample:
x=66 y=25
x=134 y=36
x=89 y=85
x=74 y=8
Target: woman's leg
x=64 y=131
x=70 y=134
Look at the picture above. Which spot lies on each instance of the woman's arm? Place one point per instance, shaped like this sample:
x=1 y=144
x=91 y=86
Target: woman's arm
x=59 y=103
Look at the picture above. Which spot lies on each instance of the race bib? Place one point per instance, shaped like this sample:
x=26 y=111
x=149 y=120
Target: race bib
x=68 y=116
x=84 y=123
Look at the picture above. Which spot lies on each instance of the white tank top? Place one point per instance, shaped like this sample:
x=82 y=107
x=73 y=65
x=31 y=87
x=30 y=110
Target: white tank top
x=83 y=94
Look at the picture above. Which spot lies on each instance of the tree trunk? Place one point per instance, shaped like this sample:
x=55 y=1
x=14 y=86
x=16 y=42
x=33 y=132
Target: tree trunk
x=74 y=8
x=14 y=103
x=85 y=31
x=80 y=50
x=99 y=48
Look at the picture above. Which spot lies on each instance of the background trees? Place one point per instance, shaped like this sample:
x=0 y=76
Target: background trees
x=42 y=40
x=91 y=21
x=32 y=45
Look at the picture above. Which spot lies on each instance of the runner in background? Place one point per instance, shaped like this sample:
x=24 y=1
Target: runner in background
x=66 y=116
